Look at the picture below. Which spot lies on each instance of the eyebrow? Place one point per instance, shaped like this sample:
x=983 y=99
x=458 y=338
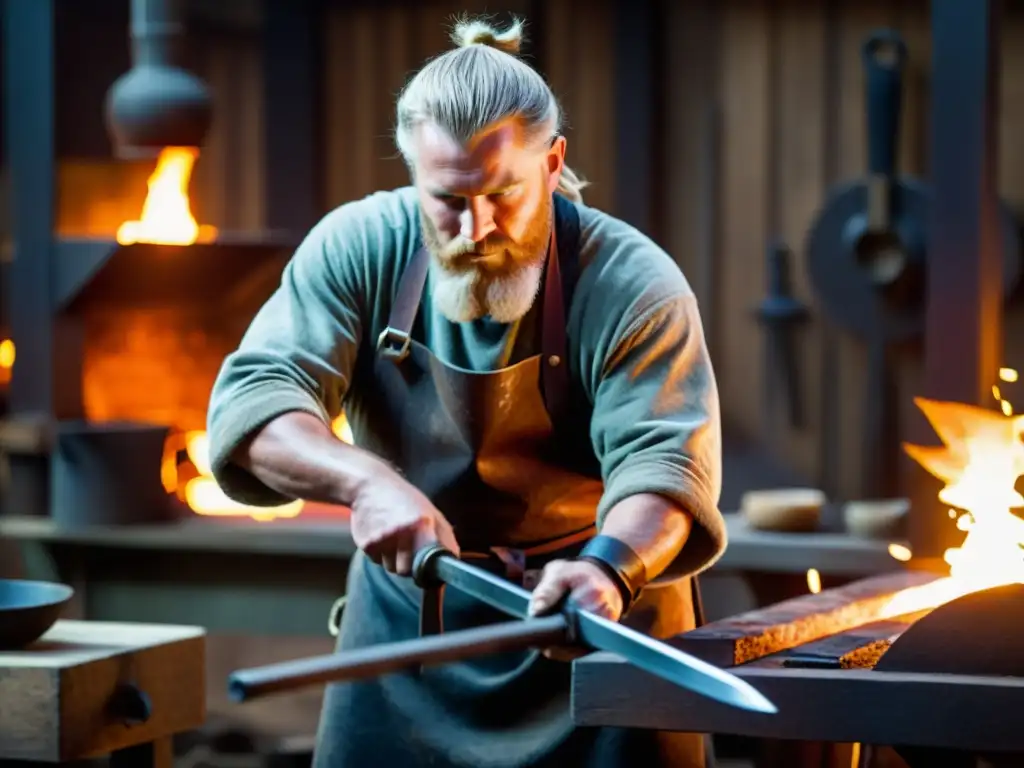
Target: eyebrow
x=506 y=184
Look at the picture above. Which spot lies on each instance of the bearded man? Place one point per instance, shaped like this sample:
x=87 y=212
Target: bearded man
x=527 y=384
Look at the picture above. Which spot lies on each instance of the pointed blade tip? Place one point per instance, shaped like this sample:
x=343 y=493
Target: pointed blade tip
x=752 y=699
x=758 y=703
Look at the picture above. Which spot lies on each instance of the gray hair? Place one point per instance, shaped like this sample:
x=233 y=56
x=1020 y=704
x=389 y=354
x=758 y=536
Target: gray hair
x=478 y=84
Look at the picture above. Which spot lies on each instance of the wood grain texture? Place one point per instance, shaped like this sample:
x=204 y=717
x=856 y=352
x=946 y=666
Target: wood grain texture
x=748 y=636
x=857 y=648
x=56 y=697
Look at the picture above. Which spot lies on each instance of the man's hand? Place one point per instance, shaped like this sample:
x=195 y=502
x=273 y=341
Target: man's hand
x=586 y=585
x=392 y=520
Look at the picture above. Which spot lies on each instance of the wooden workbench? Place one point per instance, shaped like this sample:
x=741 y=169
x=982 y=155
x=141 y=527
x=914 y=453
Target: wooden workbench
x=88 y=689
x=842 y=667
x=850 y=705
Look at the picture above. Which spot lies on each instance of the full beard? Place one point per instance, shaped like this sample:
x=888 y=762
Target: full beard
x=464 y=292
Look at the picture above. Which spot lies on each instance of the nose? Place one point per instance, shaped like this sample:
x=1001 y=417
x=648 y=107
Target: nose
x=477 y=219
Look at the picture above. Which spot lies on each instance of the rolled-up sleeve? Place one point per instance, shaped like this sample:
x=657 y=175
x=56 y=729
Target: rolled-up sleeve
x=656 y=425
x=297 y=355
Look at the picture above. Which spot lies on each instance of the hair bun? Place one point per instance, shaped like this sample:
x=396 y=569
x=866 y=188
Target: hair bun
x=469 y=32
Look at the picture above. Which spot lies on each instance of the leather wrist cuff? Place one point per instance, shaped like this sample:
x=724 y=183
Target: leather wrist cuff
x=620 y=562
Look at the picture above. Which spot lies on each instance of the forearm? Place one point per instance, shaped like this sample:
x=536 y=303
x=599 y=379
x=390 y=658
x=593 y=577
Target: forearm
x=654 y=527
x=297 y=455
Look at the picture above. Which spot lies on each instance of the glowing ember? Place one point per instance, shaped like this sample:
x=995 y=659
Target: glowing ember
x=6 y=360
x=980 y=461
x=166 y=214
x=899 y=552
x=813 y=581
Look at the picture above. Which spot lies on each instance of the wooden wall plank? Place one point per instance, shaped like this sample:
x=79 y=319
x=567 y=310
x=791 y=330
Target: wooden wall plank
x=228 y=184
x=251 y=216
x=578 y=34
x=691 y=96
x=857 y=20
x=799 y=115
x=339 y=85
x=745 y=147
x=912 y=20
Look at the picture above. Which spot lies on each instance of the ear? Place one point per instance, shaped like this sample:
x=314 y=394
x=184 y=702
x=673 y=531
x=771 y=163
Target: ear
x=555 y=163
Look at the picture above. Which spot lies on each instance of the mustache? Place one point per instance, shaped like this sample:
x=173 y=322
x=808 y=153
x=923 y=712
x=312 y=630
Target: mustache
x=465 y=247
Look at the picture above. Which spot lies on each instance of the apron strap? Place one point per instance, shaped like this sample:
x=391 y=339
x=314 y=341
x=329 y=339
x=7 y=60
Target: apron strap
x=393 y=342
x=559 y=285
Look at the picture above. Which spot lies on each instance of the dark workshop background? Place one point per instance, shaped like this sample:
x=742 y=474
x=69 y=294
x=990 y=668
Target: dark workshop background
x=713 y=126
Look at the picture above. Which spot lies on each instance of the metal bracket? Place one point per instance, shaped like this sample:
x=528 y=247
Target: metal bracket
x=393 y=344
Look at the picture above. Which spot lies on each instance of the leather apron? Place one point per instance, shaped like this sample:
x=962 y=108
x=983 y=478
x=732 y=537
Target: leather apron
x=505 y=455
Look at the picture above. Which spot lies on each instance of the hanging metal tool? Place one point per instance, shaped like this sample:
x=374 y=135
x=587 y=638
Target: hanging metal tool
x=436 y=565
x=780 y=313
x=867 y=257
x=158 y=103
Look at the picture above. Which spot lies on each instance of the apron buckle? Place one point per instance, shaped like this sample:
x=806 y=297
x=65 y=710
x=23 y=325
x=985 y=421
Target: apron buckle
x=334 y=618
x=393 y=344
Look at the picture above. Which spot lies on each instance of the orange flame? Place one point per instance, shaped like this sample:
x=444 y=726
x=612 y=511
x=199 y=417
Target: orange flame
x=166 y=214
x=202 y=493
x=7 y=354
x=979 y=462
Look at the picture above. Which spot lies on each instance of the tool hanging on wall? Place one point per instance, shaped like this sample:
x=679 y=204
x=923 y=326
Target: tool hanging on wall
x=867 y=257
x=780 y=313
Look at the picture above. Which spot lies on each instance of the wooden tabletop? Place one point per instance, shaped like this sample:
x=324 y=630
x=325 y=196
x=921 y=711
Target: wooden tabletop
x=73 y=643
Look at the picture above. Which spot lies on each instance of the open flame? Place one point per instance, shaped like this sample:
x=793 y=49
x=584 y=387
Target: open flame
x=980 y=460
x=166 y=213
x=167 y=219
x=7 y=354
x=201 y=492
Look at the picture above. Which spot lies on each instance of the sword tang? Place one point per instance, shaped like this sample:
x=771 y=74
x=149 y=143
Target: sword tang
x=248 y=684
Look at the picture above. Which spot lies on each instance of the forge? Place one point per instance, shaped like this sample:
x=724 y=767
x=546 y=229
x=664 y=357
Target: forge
x=128 y=301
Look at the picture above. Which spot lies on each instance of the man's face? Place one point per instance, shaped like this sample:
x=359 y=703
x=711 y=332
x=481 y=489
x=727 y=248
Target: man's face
x=486 y=216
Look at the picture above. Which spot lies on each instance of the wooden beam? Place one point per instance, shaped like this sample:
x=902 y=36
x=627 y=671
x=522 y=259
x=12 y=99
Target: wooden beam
x=849 y=705
x=748 y=636
x=963 y=333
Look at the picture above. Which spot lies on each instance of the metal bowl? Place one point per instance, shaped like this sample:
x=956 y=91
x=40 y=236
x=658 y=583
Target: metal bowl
x=28 y=609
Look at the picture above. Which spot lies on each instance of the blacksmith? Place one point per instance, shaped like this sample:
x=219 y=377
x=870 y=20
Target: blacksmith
x=527 y=383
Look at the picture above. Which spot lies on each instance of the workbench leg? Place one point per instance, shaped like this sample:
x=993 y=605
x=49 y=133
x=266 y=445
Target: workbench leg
x=158 y=753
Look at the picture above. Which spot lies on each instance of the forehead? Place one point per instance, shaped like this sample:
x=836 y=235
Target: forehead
x=495 y=156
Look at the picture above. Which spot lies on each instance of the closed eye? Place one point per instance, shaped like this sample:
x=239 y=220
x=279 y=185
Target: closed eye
x=507 y=192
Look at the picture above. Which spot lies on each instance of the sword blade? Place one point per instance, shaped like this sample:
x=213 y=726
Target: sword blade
x=599 y=634
x=664 y=661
